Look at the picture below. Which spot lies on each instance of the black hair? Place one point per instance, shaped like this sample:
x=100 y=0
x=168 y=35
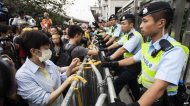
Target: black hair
x=165 y=14
x=74 y=30
x=14 y=28
x=21 y=12
x=131 y=21
x=96 y=24
x=6 y=79
x=53 y=45
x=65 y=27
x=55 y=27
x=4 y=28
x=34 y=39
x=90 y=28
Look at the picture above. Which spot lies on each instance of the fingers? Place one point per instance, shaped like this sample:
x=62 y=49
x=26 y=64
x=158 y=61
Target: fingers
x=76 y=60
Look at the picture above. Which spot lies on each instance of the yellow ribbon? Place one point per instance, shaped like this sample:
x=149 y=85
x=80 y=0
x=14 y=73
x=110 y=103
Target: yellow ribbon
x=87 y=68
x=97 y=63
x=77 y=78
x=94 y=62
x=45 y=72
x=77 y=92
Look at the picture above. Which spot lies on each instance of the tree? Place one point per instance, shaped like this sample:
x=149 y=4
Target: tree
x=54 y=7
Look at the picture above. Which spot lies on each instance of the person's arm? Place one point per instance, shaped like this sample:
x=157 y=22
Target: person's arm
x=74 y=70
x=71 y=68
x=111 y=40
x=50 y=21
x=106 y=37
x=131 y=60
x=168 y=73
x=153 y=93
x=124 y=62
x=92 y=52
x=55 y=94
x=29 y=90
x=116 y=34
x=129 y=46
x=127 y=61
x=114 y=45
x=118 y=53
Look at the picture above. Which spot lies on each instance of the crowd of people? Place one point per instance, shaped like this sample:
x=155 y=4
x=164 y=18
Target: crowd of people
x=38 y=63
x=43 y=59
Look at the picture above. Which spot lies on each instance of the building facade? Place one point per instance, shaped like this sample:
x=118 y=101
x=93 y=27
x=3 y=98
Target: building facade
x=109 y=7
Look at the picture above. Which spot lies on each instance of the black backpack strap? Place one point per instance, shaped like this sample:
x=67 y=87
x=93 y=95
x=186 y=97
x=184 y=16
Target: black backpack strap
x=69 y=51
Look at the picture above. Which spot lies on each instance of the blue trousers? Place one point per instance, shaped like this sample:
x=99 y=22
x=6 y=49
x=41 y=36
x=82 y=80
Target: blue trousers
x=128 y=76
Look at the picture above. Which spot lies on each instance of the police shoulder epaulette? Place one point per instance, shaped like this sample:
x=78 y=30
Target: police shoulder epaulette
x=130 y=35
x=165 y=45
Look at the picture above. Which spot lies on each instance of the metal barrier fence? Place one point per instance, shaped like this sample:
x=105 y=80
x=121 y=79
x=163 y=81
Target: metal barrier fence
x=99 y=90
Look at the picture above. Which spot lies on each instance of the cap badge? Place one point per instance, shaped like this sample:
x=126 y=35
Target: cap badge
x=123 y=17
x=145 y=10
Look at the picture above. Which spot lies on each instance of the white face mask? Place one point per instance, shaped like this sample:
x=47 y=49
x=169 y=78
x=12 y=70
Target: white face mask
x=46 y=55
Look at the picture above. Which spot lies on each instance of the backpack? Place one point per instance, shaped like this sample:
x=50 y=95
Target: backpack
x=65 y=57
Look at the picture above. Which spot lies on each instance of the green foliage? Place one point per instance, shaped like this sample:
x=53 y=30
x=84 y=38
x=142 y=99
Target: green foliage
x=54 y=7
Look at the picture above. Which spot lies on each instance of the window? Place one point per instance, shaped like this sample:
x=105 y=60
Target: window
x=116 y=9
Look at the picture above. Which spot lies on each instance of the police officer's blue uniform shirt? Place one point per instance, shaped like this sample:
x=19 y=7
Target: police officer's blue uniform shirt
x=108 y=30
x=170 y=67
x=117 y=30
x=133 y=45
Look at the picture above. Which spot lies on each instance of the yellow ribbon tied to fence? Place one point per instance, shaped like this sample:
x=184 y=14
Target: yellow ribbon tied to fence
x=94 y=62
x=77 y=92
x=76 y=78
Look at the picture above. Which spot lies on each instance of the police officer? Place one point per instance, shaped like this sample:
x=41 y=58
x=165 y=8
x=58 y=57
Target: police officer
x=115 y=30
x=131 y=43
x=162 y=58
x=131 y=39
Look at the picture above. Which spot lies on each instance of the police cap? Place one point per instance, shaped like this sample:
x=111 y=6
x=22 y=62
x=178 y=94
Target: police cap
x=127 y=17
x=155 y=7
x=113 y=17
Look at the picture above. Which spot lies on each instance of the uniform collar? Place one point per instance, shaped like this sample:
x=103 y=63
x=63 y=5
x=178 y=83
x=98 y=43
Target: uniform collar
x=115 y=26
x=156 y=44
x=131 y=31
x=32 y=66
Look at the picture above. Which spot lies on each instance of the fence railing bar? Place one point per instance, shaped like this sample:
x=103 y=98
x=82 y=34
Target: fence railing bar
x=111 y=89
x=101 y=99
x=74 y=84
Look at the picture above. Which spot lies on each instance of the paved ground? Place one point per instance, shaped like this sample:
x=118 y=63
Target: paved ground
x=124 y=96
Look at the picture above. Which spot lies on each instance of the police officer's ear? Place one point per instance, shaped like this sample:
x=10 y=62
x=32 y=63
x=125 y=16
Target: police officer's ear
x=131 y=24
x=161 y=23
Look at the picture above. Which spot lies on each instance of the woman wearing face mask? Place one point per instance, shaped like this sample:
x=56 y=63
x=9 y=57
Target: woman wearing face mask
x=39 y=80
